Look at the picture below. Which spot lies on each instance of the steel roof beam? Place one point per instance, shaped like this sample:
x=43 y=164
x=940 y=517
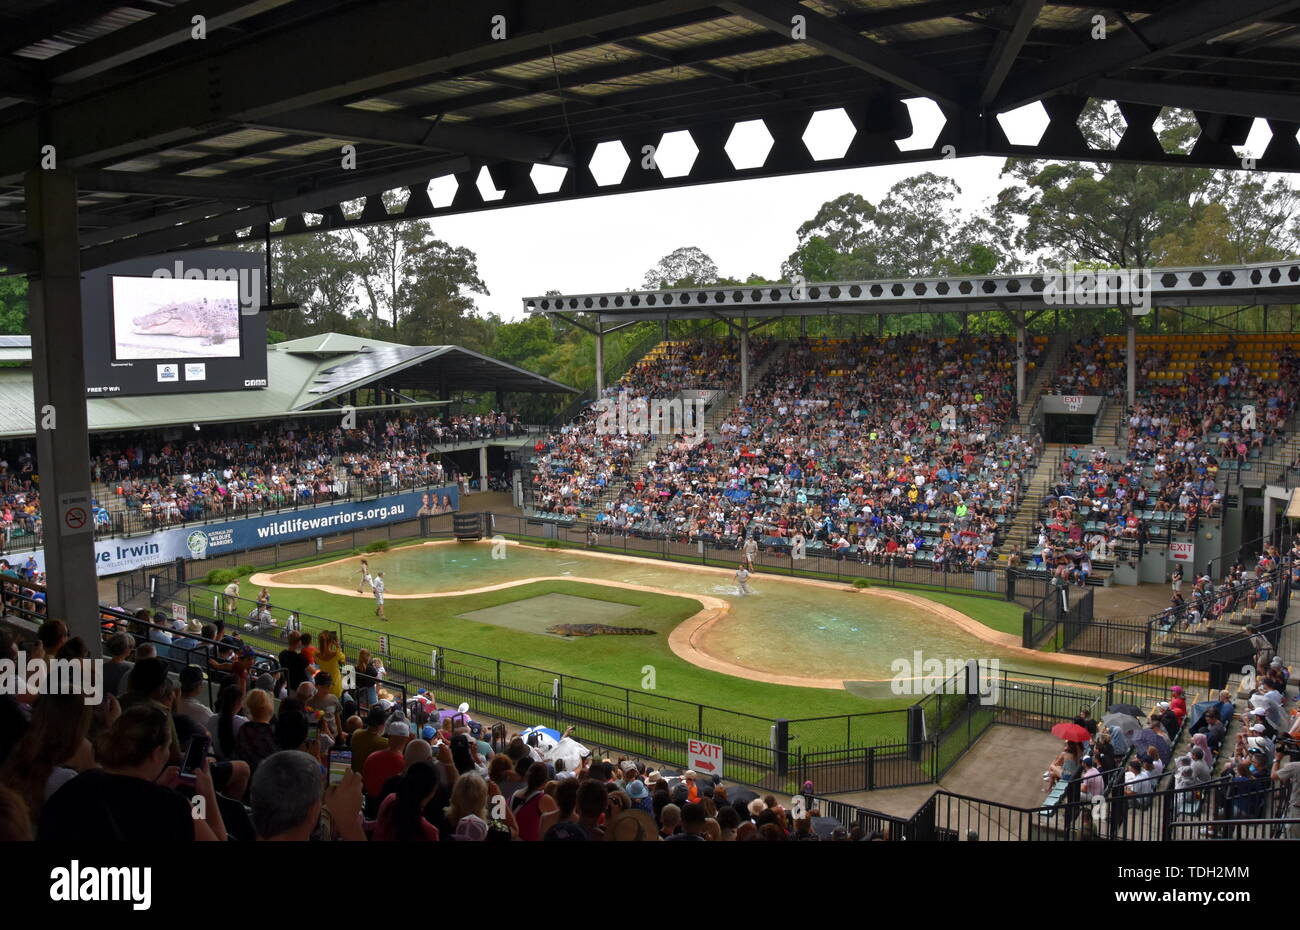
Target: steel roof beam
x=845 y=44
x=162 y=30
x=410 y=132
x=1007 y=48
x=358 y=50
x=1158 y=36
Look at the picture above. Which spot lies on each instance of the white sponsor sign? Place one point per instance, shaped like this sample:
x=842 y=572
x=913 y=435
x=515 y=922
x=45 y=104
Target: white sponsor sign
x=169 y=373
x=196 y=371
x=705 y=758
x=1182 y=551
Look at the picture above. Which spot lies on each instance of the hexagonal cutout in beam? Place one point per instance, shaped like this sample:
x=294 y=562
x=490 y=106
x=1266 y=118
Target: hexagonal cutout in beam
x=547 y=179
x=609 y=163
x=1177 y=130
x=1025 y=125
x=676 y=153
x=829 y=134
x=927 y=122
x=442 y=191
x=1102 y=124
x=749 y=144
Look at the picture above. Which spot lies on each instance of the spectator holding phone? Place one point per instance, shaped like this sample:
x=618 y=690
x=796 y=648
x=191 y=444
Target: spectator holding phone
x=133 y=797
x=288 y=797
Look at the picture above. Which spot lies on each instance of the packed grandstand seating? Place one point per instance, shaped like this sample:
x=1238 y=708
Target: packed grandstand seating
x=1204 y=408
x=849 y=443
x=573 y=466
x=151 y=482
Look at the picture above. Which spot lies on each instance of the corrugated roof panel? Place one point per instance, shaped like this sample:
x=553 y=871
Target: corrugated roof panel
x=727 y=27
x=310 y=147
x=376 y=105
x=648 y=79
x=439 y=90
x=82 y=33
x=237 y=140
x=566 y=62
x=514 y=105
x=771 y=56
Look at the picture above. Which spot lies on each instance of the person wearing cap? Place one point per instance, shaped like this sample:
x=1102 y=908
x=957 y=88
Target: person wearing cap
x=1178 y=703
x=383 y=764
x=1138 y=785
x=692 y=789
x=1260 y=739
x=377 y=588
x=160 y=634
x=1091 y=783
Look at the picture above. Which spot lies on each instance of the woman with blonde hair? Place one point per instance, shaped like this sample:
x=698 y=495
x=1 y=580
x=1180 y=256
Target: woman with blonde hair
x=255 y=740
x=467 y=812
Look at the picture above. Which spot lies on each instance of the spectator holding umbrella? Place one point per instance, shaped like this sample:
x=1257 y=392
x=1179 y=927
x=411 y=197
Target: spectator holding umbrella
x=1068 y=763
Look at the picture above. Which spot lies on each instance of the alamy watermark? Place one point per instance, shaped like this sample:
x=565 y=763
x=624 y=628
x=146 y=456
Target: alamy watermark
x=22 y=675
x=660 y=416
x=918 y=676
x=250 y=282
x=1107 y=287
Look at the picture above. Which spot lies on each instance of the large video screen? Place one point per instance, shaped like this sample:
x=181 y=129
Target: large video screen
x=169 y=318
x=179 y=323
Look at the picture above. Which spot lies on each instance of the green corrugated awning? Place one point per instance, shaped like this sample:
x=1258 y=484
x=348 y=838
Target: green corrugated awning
x=301 y=374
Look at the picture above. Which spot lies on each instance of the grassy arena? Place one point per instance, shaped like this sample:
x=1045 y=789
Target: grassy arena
x=611 y=660
x=615 y=660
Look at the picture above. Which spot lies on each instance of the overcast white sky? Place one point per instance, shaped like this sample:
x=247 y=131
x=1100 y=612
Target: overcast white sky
x=607 y=243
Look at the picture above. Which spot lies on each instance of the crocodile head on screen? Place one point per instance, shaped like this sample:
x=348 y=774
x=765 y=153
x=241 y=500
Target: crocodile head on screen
x=213 y=321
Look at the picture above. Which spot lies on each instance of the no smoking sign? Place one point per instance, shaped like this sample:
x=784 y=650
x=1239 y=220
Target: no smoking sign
x=74 y=513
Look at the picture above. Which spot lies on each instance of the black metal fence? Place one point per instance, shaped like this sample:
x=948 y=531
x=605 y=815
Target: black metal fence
x=818 y=561
x=1223 y=809
x=1063 y=611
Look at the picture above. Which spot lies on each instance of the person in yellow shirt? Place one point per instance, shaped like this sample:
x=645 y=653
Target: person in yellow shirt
x=330 y=658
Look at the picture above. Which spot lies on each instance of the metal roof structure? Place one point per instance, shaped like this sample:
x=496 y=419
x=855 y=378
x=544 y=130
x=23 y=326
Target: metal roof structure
x=1209 y=286
x=180 y=141
x=133 y=128
x=303 y=375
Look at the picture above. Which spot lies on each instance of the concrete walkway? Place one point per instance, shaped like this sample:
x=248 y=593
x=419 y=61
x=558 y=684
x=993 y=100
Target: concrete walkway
x=1005 y=765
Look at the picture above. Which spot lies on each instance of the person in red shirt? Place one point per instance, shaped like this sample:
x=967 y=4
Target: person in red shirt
x=383 y=764
x=1178 y=704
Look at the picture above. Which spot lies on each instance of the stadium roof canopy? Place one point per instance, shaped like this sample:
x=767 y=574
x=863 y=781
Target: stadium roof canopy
x=1208 y=286
x=129 y=129
x=304 y=377
x=179 y=141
